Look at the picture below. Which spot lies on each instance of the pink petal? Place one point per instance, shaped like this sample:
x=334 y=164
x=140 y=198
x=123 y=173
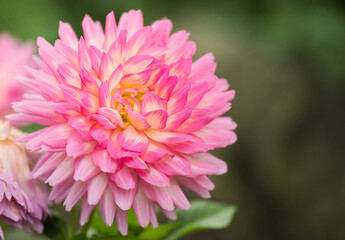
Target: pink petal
x=195 y=145
x=69 y=53
x=157 y=119
x=209 y=158
x=153 y=177
x=196 y=93
x=137 y=120
x=60 y=191
x=38 y=108
x=200 y=168
x=104 y=95
x=93 y=33
x=107 y=207
x=152 y=102
x=204 y=66
x=124 y=178
x=176 y=120
x=96 y=188
x=136 y=79
x=135 y=162
x=112 y=115
x=115 y=78
x=62 y=172
x=160 y=195
x=100 y=134
x=178 y=100
x=113 y=147
x=56 y=135
x=89 y=103
x=69 y=76
x=85 y=212
x=137 y=63
x=77 y=147
x=82 y=125
x=161 y=29
x=107 y=67
x=47 y=163
x=85 y=168
x=72 y=96
x=121 y=221
x=48 y=85
x=177 y=195
x=154 y=152
x=65 y=110
x=170 y=214
x=175 y=43
x=67 y=35
x=102 y=159
x=204 y=182
x=76 y=192
x=95 y=55
x=168 y=87
x=176 y=165
x=131 y=21
x=84 y=58
x=89 y=81
x=141 y=207
x=132 y=140
x=104 y=121
x=117 y=48
x=123 y=198
x=110 y=30
x=167 y=137
x=197 y=120
x=219 y=132
x=188 y=183
x=138 y=42
x=181 y=69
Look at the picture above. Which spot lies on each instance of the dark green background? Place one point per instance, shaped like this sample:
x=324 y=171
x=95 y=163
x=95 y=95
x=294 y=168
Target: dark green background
x=286 y=61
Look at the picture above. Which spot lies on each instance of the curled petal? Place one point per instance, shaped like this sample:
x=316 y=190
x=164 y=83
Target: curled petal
x=132 y=140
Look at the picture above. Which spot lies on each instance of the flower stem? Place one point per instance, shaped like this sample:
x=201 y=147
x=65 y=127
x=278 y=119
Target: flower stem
x=73 y=222
x=87 y=225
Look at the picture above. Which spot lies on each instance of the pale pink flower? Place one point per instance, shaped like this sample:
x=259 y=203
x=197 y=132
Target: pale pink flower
x=23 y=201
x=13 y=57
x=130 y=118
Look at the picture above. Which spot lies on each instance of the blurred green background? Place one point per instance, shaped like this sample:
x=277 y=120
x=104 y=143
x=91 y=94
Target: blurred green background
x=286 y=61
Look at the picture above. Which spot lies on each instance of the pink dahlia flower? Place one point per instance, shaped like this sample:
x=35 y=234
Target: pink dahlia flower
x=23 y=201
x=130 y=118
x=14 y=56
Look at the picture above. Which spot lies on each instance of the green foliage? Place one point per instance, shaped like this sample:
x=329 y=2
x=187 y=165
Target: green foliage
x=157 y=233
x=112 y=237
x=202 y=215
x=55 y=228
x=99 y=226
x=31 y=128
x=80 y=237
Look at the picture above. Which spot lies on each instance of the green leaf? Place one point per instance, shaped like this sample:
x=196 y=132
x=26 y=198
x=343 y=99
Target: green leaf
x=31 y=128
x=112 y=237
x=202 y=215
x=55 y=228
x=99 y=226
x=80 y=237
x=157 y=233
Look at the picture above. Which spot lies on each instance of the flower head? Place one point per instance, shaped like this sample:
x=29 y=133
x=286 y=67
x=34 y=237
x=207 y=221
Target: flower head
x=23 y=201
x=130 y=118
x=14 y=56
